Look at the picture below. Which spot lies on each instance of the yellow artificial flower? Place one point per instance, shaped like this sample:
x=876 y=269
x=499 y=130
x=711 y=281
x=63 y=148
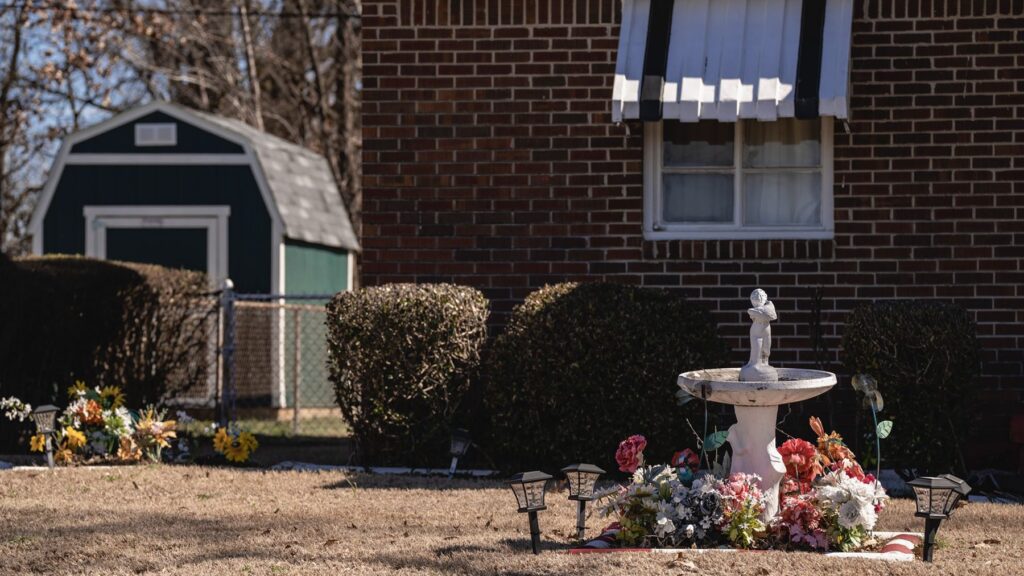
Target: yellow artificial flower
x=235 y=449
x=128 y=451
x=64 y=455
x=221 y=440
x=78 y=389
x=37 y=443
x=114 y=394
x=74 y=438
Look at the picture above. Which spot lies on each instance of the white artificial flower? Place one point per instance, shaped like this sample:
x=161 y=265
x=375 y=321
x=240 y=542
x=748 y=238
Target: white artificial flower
x=184 y=419
x=849 y=514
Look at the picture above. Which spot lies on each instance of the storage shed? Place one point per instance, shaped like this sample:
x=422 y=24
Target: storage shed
x=167 y=185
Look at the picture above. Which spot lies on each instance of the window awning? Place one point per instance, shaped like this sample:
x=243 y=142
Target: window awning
x=691 y=60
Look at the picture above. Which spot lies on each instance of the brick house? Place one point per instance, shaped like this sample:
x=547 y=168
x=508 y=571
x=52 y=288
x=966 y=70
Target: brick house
x=501 y=151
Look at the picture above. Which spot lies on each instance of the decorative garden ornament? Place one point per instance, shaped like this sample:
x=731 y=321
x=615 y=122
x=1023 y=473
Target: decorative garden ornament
x=762 y=312
x=757 y=390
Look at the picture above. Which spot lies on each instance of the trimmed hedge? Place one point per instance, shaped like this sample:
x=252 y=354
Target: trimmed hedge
x=68 y=318
x=401 y=357
x=583 y=366
x=924 y=356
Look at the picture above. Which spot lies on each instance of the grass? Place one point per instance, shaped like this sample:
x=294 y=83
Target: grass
x=194 y=520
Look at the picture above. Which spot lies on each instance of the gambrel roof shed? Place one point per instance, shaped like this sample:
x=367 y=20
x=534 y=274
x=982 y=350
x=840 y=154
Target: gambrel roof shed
x=165 y=184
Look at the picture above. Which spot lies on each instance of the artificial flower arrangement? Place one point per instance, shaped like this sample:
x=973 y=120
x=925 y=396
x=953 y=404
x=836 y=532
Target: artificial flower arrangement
x=827 y=502
x=235 y=444
x=96 y=426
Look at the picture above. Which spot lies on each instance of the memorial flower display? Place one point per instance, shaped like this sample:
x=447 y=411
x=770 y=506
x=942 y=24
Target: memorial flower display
x=235 y=444
x=826 y=503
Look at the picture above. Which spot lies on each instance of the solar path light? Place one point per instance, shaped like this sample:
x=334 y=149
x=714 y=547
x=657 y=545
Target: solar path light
x=460 y=443
x=936 y=497
x=582 y=478
x=528 y=488
x=45 y=418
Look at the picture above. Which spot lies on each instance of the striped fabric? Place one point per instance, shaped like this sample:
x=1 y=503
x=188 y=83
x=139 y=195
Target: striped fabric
x=690 y=60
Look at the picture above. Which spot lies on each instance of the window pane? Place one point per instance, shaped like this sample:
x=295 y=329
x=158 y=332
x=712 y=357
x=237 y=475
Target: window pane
x=705 y=143
x=776 y=199
x=697 y=197
x=786 y=142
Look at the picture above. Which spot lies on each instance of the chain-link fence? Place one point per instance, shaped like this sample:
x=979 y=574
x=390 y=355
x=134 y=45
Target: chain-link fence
x=275 y=351
x=267 y=368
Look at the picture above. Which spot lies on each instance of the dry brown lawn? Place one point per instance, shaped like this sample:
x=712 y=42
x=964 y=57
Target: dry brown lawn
x=192 y=520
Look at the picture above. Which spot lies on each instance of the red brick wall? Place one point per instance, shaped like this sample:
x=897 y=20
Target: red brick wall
x=490 y=160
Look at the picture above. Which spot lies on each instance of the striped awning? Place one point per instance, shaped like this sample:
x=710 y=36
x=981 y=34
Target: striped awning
x=726 y=59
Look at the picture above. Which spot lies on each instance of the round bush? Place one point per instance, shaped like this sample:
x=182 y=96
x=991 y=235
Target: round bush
x=924 y=356
x=401 y=357
x=582 y=366
x=68 y=318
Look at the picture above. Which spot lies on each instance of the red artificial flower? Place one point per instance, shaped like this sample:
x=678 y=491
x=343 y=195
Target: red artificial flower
x=802 y=461
x=686 y=459
x=630 y=454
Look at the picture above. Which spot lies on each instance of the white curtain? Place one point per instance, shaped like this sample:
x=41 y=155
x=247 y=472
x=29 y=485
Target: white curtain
x=779 y=196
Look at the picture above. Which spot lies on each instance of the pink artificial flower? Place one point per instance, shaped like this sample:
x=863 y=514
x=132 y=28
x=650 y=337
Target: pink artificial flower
x=630 y=454
x=686 y=459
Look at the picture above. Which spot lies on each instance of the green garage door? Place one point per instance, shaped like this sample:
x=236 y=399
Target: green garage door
x=170 y=247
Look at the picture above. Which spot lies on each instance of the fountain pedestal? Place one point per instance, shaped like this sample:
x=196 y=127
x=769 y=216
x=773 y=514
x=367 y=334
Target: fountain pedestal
x=752 y=438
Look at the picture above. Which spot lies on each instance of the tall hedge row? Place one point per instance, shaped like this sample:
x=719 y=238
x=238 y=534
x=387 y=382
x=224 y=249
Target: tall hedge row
x=582 y=366
x=924 y=356
x=67 y=318
x=401 y=357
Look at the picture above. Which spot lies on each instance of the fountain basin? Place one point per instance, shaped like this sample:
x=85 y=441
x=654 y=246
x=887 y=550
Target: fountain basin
x=723 y=385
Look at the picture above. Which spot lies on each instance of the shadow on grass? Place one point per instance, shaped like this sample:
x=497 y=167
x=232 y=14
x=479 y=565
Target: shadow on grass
x=465 y=558
x=388 y=481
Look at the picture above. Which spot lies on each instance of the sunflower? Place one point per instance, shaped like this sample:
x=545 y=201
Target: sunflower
x=37 y=443
x=235 y=448
x=114 y=395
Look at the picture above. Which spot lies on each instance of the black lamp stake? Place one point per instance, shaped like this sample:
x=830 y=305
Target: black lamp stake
x=582 y=478
x=528 y=488
x=936 y=498
x=534 y=532
x=45 y=416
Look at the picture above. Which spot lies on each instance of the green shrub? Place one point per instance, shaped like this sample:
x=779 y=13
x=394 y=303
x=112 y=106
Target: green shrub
x=582 y=366
x=924 y=356
x=401 y=357
x=68 y=318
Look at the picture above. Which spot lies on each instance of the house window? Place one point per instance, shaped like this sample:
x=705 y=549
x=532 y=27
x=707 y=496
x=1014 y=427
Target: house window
x=740 y=180
x=156 y=134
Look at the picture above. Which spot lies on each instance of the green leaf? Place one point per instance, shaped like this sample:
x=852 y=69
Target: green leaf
x=715 y=440
x=884 y=428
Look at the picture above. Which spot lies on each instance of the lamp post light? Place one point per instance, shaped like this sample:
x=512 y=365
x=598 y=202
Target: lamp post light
x=582 y=478
x=528 y=488
x=460 y=443
x=45 y=418
x=936 y=497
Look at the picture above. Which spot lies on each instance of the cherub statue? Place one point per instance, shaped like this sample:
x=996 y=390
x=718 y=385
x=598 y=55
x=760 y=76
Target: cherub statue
x=761 y=313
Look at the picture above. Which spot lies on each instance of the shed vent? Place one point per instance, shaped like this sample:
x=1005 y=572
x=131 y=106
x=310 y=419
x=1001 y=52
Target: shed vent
x=156 y=134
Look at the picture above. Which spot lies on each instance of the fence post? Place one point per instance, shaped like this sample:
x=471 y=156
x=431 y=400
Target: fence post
x=296 y=368
x=227 y=306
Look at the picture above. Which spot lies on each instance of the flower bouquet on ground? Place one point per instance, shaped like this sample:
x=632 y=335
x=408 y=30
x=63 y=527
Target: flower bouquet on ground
x=235 y=444
x=827 y=501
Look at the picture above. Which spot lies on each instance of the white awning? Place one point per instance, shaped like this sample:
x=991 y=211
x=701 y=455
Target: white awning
x=726 y=59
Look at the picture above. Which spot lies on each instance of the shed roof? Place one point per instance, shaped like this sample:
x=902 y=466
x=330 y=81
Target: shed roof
x=301 y=183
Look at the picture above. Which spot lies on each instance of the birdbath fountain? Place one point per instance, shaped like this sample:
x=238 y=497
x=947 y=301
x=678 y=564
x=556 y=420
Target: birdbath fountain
x=756 y=390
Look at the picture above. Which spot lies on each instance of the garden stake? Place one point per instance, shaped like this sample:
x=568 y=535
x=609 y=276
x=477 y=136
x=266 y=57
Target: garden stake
x=535 y=532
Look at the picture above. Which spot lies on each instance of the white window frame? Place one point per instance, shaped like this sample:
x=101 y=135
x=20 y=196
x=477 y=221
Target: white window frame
x=146 y=134
x=213 y=219
x=656 y=229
